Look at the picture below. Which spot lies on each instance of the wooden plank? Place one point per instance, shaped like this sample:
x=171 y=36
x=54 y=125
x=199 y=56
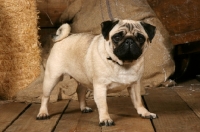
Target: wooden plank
x=28 y=123
x=9 y=112
x=73 y=120
x=89 y=122
x=125 y=117
x=120 y=109
x=174 y=114
x=191 y=96
x=185 y=38
x=70 y=118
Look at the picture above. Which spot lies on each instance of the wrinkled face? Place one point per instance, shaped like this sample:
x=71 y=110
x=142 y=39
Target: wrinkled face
x=128 y=38
x=128 y=41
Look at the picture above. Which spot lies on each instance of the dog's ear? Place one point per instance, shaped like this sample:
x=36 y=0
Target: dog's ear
x=150 y=30
x=106 y=27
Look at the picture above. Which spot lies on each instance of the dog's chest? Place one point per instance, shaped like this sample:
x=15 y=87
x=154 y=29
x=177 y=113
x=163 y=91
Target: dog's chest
x=122 y=79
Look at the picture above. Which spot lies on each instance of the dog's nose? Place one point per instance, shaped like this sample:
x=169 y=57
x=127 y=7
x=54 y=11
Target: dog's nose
x=129 y=41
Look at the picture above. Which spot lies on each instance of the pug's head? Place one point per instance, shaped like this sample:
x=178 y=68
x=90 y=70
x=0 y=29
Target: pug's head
x=127 y=38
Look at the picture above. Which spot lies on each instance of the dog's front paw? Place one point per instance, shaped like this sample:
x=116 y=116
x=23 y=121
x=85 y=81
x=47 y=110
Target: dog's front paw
x=144 y=113
x=149 y=115
x=87 y=110
x=42 y=116
x=108 y=122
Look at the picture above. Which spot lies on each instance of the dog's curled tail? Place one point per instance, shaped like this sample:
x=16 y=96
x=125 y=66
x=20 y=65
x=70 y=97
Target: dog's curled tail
x=62 y=32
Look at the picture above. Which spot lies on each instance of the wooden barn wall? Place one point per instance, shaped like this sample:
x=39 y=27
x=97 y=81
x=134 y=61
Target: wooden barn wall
x=180 y=17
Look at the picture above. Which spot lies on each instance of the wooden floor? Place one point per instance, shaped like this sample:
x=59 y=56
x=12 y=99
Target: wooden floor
x=178 y=109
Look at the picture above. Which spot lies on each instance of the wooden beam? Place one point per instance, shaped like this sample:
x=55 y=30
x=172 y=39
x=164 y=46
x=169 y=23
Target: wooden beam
x=180 y=18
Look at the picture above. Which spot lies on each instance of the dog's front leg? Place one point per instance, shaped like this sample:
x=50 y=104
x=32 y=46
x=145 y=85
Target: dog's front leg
x=134 y=92
x=100 y=93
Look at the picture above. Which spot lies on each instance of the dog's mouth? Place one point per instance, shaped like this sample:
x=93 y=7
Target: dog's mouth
x=128 y=52
x=127 y=61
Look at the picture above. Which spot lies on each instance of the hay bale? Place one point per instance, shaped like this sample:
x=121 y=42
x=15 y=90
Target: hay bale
x=19 y=46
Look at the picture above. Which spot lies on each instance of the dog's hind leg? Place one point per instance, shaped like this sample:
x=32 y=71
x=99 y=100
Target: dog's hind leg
x=81 y=91
x=51 y=78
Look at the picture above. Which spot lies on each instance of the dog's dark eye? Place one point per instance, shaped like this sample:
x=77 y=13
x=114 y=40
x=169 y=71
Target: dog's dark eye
x=140 y=38
x=117 y=37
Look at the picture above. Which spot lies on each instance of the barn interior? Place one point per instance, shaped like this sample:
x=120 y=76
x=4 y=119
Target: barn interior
x=173 y=93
